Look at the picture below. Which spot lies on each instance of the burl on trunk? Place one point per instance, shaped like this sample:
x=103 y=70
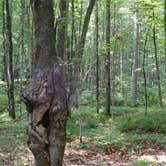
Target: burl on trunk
x=45 y=95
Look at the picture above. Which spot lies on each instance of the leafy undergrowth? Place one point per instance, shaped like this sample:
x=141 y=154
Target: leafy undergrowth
x=103 y=142
x=154 y=122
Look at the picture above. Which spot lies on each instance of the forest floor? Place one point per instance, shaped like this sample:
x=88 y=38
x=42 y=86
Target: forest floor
x=103 y=144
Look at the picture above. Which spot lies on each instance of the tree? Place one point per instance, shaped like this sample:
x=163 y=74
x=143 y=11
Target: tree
x=81 y=44
x=144 y=74
x=107 y=58
x=45 y=95
x=97 y=57
x=9 y=60
x=135 y=60
x=61 y=28
x=157 y=66
x=165 y=30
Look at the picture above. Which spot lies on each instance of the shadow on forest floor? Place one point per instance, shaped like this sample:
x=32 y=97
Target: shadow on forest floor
x=102 y=145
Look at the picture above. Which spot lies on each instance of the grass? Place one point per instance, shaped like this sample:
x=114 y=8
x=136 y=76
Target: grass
x=128 y=132
x=154 y=122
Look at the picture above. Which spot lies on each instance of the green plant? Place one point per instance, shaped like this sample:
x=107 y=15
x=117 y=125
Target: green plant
x=139 y=123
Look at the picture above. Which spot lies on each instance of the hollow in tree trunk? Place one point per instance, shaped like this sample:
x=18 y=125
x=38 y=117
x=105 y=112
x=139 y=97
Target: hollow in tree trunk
x=45 y=95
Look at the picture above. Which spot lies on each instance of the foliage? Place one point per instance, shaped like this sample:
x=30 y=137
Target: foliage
x=154 y=122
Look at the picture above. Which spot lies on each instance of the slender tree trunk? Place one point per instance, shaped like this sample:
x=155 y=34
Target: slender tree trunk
x=4 y=41
x=144 y=75
x=22 y=49
x=61 y=29
x=135 y=61
x=85 y=29
x=45 y=95
x=165 y=33
x=165 y=30
x=114 y=59
x=107 y=59
x=157 y=68
x=97 y=57
x=80 y=48
x=121 y=55
x=30 y=41
x=9 y=61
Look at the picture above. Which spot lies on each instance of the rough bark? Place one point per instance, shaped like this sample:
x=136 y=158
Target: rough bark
x=9 y=60
x=107 y=59
x=45 y=95
x=135 y=61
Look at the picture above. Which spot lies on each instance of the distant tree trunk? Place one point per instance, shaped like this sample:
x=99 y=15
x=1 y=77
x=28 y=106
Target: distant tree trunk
x=85 y=29
x=144 y=74
x=61 y=29
x=81 y=44
x=107 y=59
x=22 y=49
x=97 y=57
x=113 y=72
x=121 y=55
x=9 y=60
x=45 y=95
x=165 y=31
x=30 y=41
x=157 y=68
x=135 y=61
x=4 y=41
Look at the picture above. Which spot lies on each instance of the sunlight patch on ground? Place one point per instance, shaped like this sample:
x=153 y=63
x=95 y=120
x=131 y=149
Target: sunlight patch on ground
x=154 y=158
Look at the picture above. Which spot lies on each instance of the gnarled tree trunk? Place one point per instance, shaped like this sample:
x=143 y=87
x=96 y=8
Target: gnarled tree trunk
x=45 y=95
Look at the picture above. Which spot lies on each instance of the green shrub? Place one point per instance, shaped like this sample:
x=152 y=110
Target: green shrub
x=153 y=122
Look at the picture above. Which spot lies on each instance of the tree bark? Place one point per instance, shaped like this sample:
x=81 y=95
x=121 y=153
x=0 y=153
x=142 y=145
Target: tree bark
x=9 y=60
x=121 y=53
x=30 y=41
x=144 y=75
x=22 y=49
x=97 y=57
x=79 y=51
x=45 y=95
x=135 y=61
x=107 y=59
x=61 y=28
x=4 y=39
x=157 y=67
x=165 y=31
x=85 y=29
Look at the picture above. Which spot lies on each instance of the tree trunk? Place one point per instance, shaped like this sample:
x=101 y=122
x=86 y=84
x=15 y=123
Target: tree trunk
x=97 y=57
x=144 y=74
x=61 y=29
x=80 y=49
x=9 y=60
x=165 y=31
x=157 y=67
x=4 y=39
x=121 y=55
x=107 y=59
x=135 y=61
x=45 y=95
x=30 y=41
x=22 y=49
